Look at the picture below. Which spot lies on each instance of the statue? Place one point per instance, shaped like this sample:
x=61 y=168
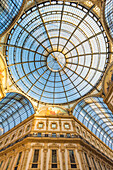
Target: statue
x=1 y=84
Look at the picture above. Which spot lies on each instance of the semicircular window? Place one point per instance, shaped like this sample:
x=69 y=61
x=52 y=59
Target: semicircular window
x=14 y=108
x=109 y=15
x=96 y=116
x=8 y=11
x=57 y=52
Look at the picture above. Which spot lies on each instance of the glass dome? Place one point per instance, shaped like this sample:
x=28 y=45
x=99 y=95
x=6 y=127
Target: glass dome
x=8 y=11
x=109 y=15
x=97 y=117
x=57 y=52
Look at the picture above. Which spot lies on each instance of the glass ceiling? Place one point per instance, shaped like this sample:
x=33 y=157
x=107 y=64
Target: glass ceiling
x=109 y=15
x=57 y=53
x=8 y=11
x=14 y=108
x=96 y=116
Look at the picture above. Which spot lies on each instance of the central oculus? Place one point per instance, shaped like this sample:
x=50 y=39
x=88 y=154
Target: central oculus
x=56 y=61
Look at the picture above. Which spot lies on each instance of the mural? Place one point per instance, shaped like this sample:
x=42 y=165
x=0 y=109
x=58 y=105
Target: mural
x=2 y=77
x=52 y=110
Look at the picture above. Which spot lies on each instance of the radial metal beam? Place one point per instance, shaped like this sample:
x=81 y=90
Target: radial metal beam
x=64 y=88
x=84 y=41
x=87 y=113
x=26 y=62
x=43 y=23
x=33 y=37
x=23 y=48
x=85 y=66
x=60 y=25
x=45 y=85
x=78 y=26
x=37 y=80
x=87 y=54
x=28 y=74
x=82 y=78
x=71 y=81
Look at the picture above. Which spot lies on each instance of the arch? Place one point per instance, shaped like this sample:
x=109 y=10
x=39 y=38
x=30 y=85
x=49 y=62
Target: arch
x=10 y=12
x=94 y=113
x=14 y=108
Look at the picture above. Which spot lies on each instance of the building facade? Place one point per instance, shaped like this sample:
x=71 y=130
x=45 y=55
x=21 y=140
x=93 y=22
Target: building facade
x=56 y=85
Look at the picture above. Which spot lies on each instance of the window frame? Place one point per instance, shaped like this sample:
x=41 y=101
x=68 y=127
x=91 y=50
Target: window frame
x=70 y=164
x=33 y=159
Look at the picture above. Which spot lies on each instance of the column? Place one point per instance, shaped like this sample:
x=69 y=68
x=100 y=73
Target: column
x=23 y=167
x=45 y=158
x=63 y=158
x=80 y=151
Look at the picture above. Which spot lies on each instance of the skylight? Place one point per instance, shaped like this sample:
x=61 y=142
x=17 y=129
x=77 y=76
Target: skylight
x=57 y=52
x=14 y=108
x=8 y=11
x=109 y=15
x=96 y=116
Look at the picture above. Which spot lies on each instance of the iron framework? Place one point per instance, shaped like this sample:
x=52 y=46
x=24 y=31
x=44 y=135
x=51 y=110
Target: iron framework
x=14 y=108
x=96 y=116
x=57 y=52
x=8 y=11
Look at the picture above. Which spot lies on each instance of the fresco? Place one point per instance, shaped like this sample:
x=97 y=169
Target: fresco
x=51 y=110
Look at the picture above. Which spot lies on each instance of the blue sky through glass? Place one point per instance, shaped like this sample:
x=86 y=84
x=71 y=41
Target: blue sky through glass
x=96 y=116
x=66 y=29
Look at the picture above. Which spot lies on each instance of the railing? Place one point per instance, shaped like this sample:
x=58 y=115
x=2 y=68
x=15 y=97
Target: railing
x=38 y=135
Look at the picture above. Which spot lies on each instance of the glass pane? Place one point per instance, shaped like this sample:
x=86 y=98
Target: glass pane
x=54 y=165
x=53 y=125
x=36 y=155
x=66 y=126
x=73 y=166
x=54 y=156
x=109 y=15
x=61 y=53
x=34 y=165
x=8 y=11
x=14 y=108
x=71 y=155
x=40 y=125
x=96 y=116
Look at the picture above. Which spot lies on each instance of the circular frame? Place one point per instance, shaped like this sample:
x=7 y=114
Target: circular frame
x=77 y=64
